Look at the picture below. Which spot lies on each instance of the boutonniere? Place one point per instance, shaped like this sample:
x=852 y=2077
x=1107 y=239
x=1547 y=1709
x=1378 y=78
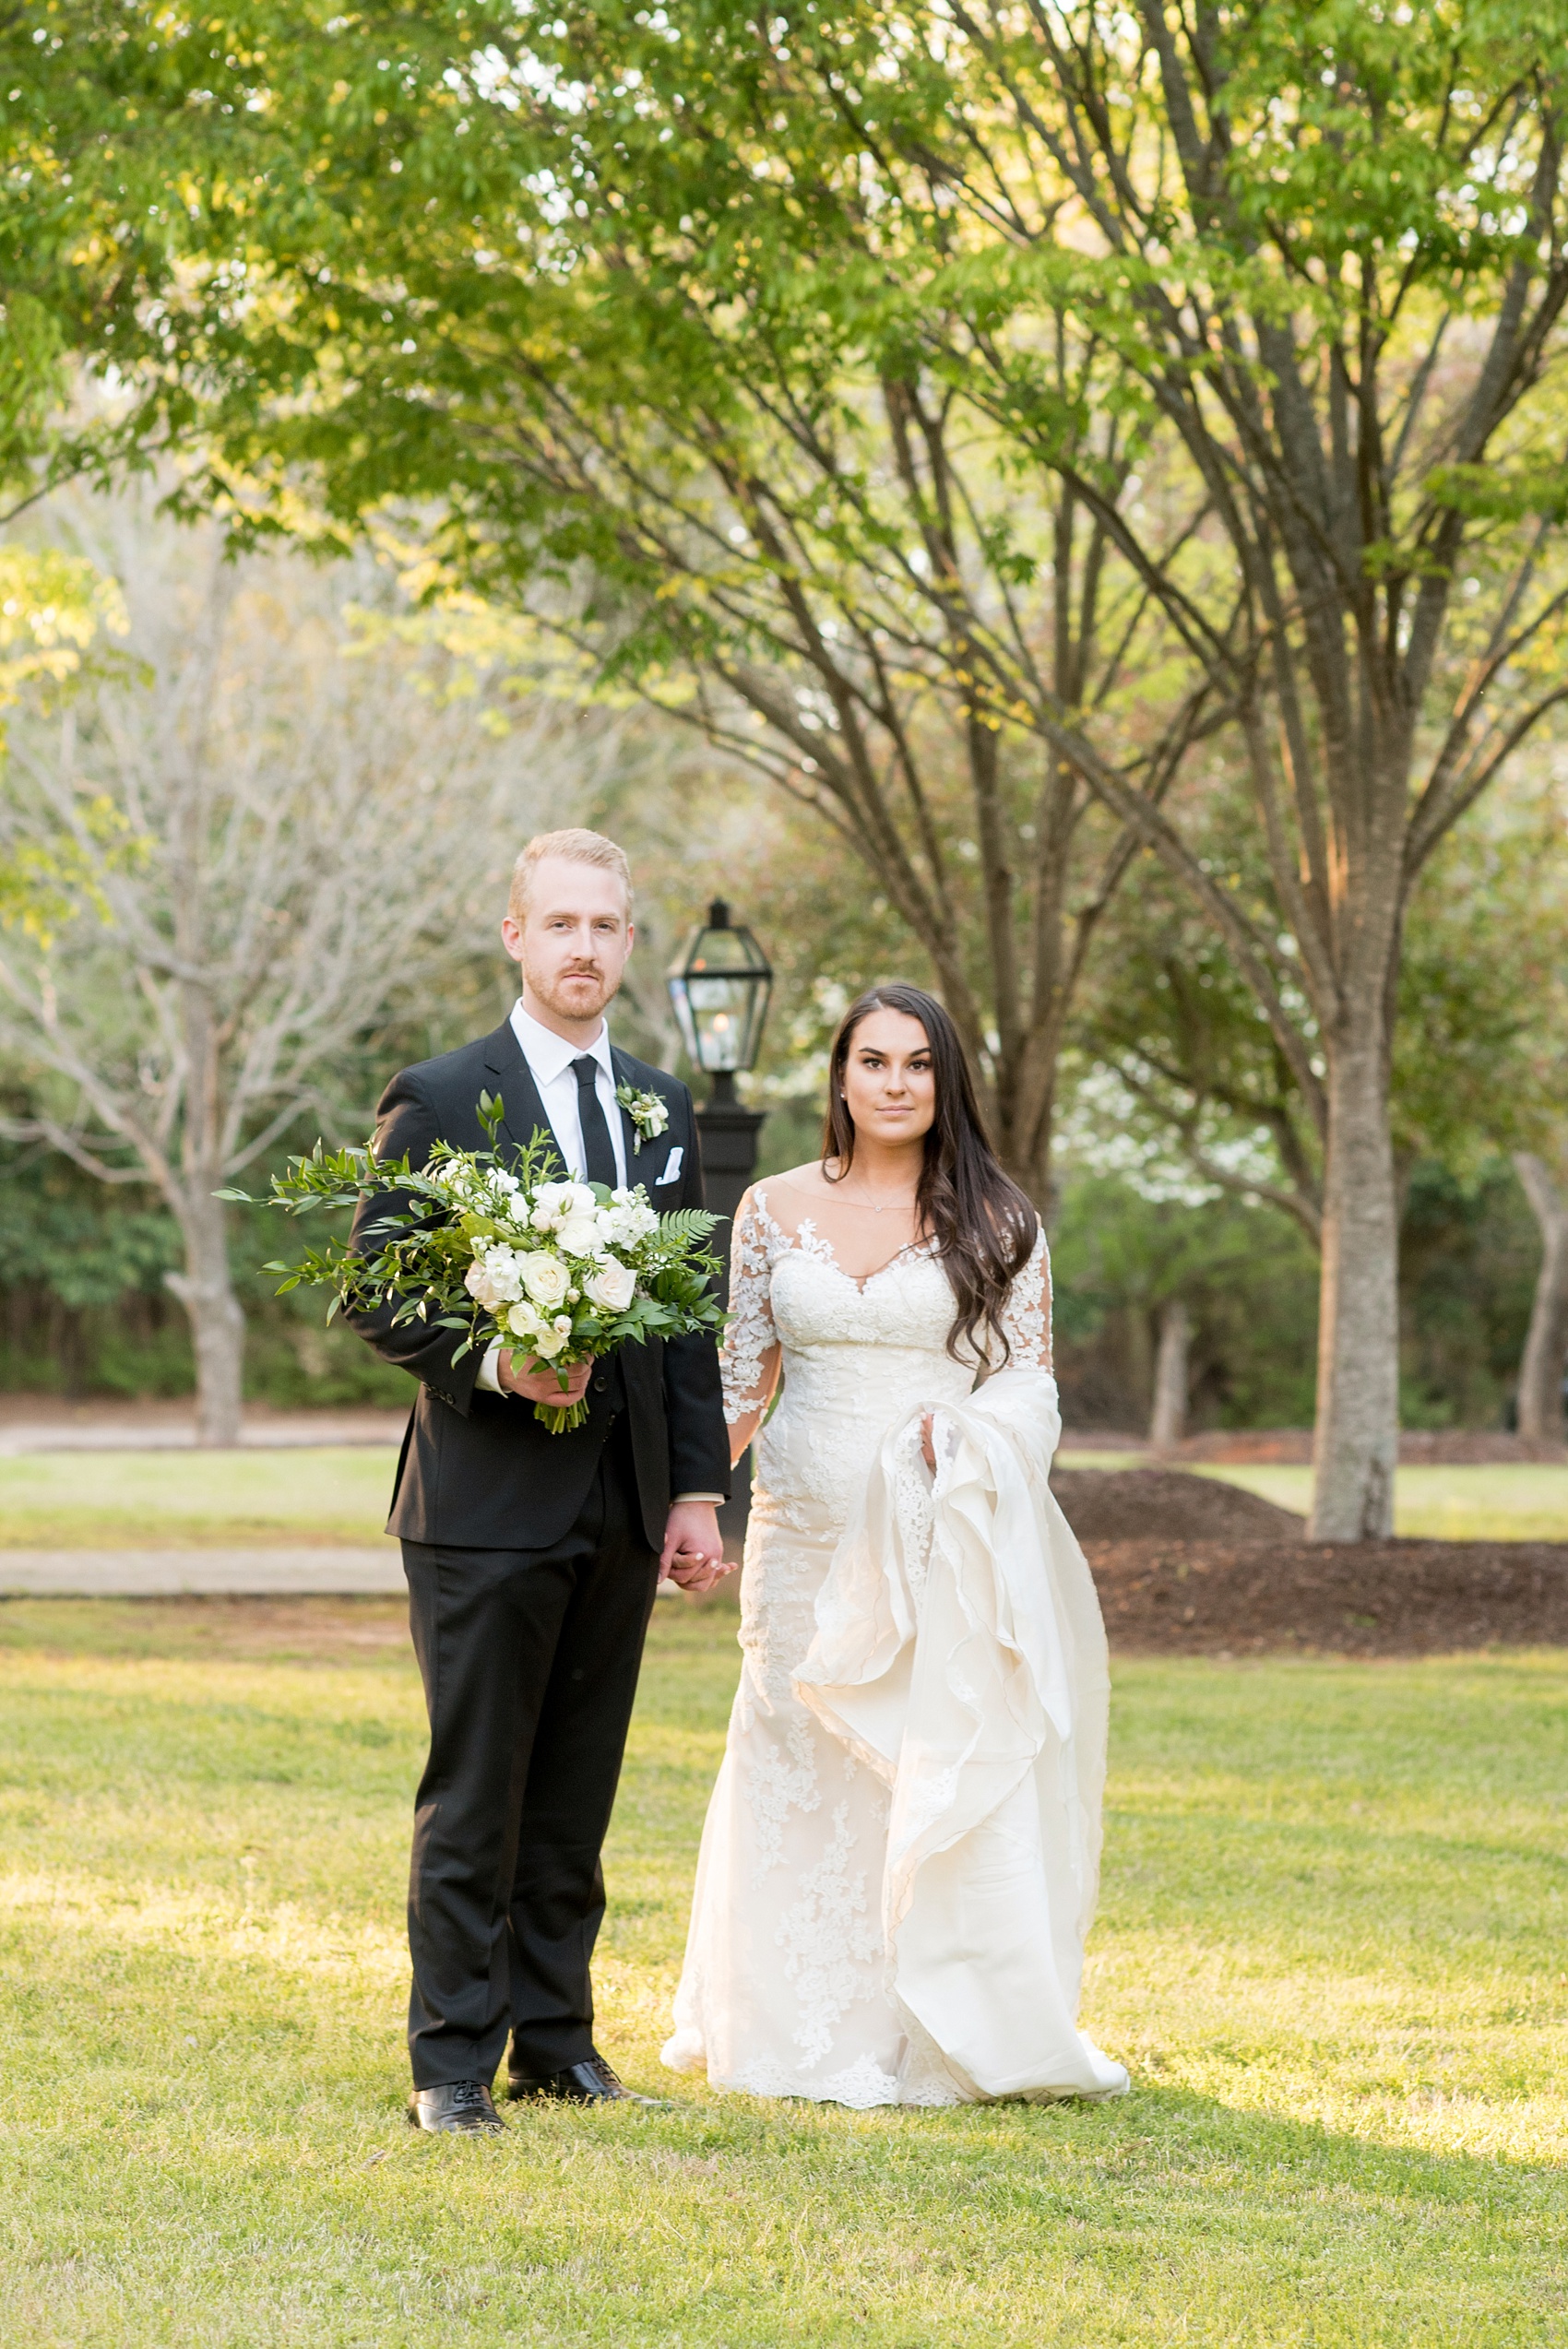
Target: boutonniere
x=649 y=1114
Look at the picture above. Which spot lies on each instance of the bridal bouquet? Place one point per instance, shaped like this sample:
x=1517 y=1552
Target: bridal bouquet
x=564 y=1272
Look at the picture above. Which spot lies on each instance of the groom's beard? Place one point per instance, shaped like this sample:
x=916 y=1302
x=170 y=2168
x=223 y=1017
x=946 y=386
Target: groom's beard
x=574 y=1002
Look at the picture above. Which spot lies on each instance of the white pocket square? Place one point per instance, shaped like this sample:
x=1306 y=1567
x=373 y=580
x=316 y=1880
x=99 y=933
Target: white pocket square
x=672 y=1169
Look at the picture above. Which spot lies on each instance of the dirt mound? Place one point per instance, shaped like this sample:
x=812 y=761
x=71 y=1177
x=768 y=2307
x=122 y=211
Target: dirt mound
x=1166 y=1504
x=1361 y=1598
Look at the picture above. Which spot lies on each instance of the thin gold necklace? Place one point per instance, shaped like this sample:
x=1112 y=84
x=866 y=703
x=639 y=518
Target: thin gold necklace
x=908 y=1198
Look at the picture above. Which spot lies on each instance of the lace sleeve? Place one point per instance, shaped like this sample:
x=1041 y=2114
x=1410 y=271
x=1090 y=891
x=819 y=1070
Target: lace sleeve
x=1027 y=1319
x=749 y=1357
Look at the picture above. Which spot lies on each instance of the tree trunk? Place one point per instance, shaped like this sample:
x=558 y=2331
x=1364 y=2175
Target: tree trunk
x=218 y=1323
x=1357 y=1441
x=1168 y=1423
x=1026 y=1155
x=1545 y=1348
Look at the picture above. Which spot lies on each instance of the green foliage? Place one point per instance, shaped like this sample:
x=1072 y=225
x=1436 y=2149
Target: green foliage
x=1478 y=1066
x=1467 y=1256
x=1247 y=1277
x=60 y=1232
x=1469 y=1250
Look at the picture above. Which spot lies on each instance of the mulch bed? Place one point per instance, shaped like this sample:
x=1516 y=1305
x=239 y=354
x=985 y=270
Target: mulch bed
x=1131 y=1504
x=1227 y=1573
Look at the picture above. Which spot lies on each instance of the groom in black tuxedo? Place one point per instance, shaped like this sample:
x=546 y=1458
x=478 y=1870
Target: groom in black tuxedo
x=533 y=1558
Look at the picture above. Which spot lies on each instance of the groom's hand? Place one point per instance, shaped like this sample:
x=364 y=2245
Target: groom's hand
x=693 y=1556
x=538 y=1383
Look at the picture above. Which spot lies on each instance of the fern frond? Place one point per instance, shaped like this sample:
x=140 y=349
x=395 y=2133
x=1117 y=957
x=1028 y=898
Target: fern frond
x=687 y=1226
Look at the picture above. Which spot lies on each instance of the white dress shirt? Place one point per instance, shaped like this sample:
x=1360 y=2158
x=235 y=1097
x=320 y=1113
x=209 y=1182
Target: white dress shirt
x=549 y=1059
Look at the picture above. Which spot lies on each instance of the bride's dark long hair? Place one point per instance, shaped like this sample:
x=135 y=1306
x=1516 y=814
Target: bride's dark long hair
x=983 y=1226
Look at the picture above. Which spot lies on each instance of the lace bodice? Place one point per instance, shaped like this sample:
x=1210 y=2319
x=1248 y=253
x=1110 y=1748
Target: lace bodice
x=855 y=1354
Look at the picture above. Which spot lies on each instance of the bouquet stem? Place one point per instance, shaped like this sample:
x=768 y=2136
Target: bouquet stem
x=562 y=1418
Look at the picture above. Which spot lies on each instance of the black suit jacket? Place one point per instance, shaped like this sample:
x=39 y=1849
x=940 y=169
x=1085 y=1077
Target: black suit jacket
x=478 y=1470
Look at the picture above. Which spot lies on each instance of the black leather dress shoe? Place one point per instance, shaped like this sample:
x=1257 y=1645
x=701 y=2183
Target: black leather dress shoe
x=588 y=2082
x=461 y=2105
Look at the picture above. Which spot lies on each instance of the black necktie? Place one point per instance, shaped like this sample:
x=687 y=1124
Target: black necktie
x=598 y=1155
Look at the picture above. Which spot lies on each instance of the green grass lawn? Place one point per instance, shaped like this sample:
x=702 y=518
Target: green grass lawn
x=108 y=1499
x=1505 y=1503
x=340 y=1493
x=1332 y=1948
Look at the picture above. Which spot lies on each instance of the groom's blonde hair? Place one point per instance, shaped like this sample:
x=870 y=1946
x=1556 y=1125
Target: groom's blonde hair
x=579 y=848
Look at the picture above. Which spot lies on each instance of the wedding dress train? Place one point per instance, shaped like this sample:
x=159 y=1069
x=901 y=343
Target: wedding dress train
x=900 y=1858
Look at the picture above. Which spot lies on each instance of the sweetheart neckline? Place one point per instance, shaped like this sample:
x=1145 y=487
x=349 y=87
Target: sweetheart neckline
x=820 y=1249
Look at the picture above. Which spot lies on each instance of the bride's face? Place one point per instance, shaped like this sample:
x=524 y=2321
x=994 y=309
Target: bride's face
x=889 y=1080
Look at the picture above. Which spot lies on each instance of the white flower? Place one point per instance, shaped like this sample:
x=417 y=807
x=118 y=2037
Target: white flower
x=550 y=1205
x=578 y=1234
x=555 y=1204
x=494 y=1277
x=629 y=1220
x=551 y=1339
x=525 y=1320
x=649 y=1112
x=544 y=1277
x=611 y=1285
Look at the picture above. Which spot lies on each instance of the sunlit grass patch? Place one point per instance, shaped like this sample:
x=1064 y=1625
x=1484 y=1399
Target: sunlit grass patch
x=1495 y=1503
x=111 y=1500
x=1331 y=1947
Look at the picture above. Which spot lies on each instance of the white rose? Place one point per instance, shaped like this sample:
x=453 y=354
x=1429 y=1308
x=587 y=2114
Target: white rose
x=525 y=1320
x=549 y=1341
x=578 y=1235
x=544 y=1277
x=611 y=1285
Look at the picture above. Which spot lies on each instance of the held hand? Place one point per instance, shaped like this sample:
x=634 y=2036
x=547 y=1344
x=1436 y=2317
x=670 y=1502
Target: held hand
x=698 y=1575
x=926 y=1452
x=540 y=1383
x=693 y=1546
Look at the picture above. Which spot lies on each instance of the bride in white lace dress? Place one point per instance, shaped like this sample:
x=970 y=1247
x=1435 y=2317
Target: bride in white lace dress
x=900 y=1859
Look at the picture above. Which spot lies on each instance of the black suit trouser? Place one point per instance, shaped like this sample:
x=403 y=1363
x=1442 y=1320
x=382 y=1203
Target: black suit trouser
x=529 y=1659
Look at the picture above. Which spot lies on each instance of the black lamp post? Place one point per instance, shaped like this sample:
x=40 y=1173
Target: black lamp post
x=720 y=983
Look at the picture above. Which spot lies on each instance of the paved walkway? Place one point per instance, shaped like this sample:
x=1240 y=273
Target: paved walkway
x=167 y=1573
